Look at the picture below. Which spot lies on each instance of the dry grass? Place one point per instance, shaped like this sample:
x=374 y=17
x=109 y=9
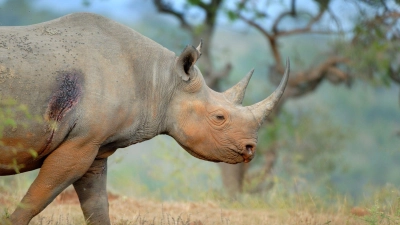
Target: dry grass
x=65 y=210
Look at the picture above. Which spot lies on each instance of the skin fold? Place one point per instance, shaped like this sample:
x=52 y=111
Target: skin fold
x=93 y=86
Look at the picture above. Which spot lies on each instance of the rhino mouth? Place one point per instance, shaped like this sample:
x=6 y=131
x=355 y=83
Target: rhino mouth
x=237 y=156
x=196 y=155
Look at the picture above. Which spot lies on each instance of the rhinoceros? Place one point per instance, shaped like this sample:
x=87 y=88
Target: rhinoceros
x=93 y=86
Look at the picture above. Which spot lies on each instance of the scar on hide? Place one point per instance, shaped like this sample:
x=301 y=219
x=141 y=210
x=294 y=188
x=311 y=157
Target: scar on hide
x=66 y=95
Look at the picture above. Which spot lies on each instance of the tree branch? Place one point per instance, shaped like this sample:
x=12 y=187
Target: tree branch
x=306 y=29
x=298 y=91
x=272 y=38
x=318 y=72
x=291 y=12
x=336 y=19
x=255 y=25
x=278 y=20
x=336 y=75
x=305 y=82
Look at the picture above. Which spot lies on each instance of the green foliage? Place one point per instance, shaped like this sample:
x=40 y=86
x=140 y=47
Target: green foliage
x=310 y=144
x=6 y=214
x=374 y=46
x=386 y=207
x=10 y=118
x=241 y=7
x=8 y=110
x=232 y=15
x=194 y=2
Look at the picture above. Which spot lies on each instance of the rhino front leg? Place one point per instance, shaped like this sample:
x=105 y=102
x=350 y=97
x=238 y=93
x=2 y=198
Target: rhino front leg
x=92 y=193
x=60 y=169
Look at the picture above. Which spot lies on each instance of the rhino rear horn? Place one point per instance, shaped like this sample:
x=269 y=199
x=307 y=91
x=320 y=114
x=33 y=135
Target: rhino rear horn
x=186 y=61
x=236 y=93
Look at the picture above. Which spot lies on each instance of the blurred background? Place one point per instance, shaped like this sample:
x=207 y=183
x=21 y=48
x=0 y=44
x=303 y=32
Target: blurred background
x=337 y=128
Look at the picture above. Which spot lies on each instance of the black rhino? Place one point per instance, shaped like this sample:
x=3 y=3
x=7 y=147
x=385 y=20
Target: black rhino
x=99 y=86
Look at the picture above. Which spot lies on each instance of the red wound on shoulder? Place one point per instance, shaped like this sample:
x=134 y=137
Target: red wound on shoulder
x=66 y=95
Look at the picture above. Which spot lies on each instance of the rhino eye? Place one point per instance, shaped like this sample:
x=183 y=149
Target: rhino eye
x=220 y=117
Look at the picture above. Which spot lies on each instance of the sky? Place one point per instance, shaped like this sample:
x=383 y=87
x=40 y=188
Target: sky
x=129 y=11
x=133 y=10
x=122 y=10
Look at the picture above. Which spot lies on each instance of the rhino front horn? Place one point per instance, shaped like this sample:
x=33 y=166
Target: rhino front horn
x=263 y=108
x=236 y=93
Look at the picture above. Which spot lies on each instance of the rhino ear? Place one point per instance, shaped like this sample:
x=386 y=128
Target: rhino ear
x=186 y=61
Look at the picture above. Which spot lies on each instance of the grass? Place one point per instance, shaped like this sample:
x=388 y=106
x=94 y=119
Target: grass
x=382 y=208
x=276 y=207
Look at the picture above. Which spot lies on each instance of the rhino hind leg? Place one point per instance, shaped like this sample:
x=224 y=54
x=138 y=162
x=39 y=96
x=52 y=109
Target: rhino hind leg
x=92 y=193
x=61 y=168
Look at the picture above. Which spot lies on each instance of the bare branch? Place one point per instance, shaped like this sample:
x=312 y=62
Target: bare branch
x=336 y=19
x=336 y=75
x=307 y=81
x=255 y=25
x=318 y=72
x=301 y=90
x=307 y=29
x=291 y=12
x=271 y=39
x=278 y=20
x=304 y=31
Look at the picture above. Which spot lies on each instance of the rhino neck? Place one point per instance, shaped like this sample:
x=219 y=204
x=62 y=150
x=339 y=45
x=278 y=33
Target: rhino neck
x=154 y=87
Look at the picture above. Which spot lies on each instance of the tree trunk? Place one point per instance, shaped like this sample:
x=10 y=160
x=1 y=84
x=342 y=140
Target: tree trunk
x=232 y=177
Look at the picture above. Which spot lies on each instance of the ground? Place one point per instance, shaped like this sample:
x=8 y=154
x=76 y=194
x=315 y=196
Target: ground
x=65 y=210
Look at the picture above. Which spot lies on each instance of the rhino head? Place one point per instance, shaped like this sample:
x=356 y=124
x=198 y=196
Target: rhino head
x=215 y=126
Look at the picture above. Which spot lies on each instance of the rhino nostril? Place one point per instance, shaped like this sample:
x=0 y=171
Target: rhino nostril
x=250 y=149
x=248 y=154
